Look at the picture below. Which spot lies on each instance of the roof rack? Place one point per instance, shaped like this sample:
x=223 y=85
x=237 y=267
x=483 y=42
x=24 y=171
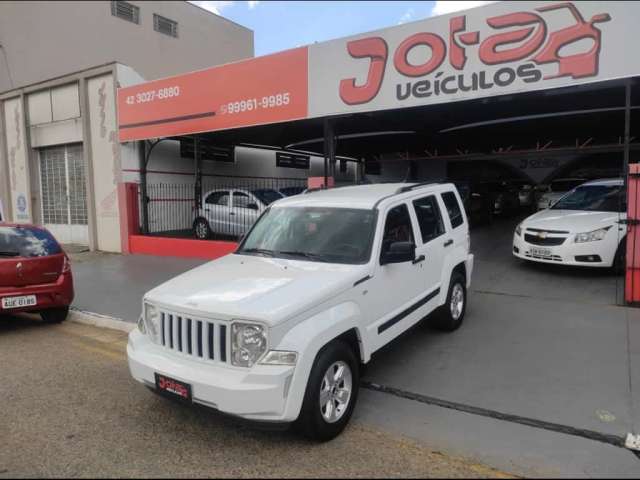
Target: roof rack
x=408 y=188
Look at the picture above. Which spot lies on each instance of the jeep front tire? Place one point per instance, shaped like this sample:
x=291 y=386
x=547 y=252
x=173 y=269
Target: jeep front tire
x=331 y=393
x=449 y=316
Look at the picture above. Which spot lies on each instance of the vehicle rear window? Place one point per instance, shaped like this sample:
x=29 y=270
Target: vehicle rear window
x=429 y=218
x=453 y=209
x=27 y=242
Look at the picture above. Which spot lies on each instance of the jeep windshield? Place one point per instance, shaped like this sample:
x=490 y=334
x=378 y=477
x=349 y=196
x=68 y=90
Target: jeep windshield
x=315 y=234
x=594 y=198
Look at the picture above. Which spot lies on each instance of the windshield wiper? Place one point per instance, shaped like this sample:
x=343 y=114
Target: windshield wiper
x=9 y=254
x=310 y=256
x=261 y=251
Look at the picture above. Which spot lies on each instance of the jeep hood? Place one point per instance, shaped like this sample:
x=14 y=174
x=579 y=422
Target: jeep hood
x=270 y=290
x=574 y=221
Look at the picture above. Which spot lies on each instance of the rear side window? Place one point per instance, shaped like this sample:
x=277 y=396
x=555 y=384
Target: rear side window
x=429 y=218
x=453 y=209
x=218 y=198
x=27 y=242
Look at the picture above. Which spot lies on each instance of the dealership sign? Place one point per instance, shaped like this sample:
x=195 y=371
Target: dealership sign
x=503 y=48
x=261 y=90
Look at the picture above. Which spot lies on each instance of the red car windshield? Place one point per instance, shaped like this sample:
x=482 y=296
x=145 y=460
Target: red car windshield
x=27 y=242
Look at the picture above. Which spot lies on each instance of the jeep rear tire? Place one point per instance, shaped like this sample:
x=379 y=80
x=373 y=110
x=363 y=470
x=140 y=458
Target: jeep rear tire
x=331 y=393
x=55 y=315
x=449 y=316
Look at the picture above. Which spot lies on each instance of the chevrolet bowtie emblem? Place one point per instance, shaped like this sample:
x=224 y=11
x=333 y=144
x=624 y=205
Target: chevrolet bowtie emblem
x=542 y=235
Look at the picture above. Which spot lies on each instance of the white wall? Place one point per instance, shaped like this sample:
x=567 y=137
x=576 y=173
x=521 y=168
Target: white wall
x=17 y=155
x=105 y=151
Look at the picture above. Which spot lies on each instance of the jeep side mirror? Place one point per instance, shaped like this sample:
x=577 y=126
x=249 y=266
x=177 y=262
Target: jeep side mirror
x=398 y=252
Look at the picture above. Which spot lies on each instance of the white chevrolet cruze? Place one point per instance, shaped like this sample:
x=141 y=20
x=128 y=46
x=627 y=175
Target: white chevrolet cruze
x=584 y=228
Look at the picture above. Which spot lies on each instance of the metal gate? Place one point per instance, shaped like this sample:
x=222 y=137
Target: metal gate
x=63 y=193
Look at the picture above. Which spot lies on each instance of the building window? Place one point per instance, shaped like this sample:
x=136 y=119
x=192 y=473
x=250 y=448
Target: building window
x=126 y=11
x=164 y=25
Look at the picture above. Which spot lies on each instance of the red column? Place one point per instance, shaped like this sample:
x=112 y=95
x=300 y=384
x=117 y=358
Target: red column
x=129 y=213
x=632 y=283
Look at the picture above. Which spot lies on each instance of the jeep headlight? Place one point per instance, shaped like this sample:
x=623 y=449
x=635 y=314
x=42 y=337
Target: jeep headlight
x=152 y=322
x=248 y=343
x=592 y=236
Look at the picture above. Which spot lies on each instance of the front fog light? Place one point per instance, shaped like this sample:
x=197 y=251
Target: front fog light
x=248 y=343
x=275 y=357
x=152 y=321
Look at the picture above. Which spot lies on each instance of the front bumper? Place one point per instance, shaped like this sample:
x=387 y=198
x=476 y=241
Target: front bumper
x=566 y=253
x=260 y=393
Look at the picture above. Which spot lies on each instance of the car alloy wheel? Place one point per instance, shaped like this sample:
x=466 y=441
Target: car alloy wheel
x=201 y=230
x=335 y=391
x=457 y=301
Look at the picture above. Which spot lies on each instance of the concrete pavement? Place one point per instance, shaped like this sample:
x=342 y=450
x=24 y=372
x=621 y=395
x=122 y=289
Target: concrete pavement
x=70 y=409
x=550 y=345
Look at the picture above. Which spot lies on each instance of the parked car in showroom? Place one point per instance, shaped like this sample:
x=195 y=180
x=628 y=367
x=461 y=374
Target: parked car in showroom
x=584 y=228
x=505 y=197
x=278 y=331
x=477 y=201
x=35 y=273
x=551 y=193
x=231 y=211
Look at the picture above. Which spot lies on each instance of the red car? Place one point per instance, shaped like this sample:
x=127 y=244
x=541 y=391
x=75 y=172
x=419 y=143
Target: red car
x=35 y=273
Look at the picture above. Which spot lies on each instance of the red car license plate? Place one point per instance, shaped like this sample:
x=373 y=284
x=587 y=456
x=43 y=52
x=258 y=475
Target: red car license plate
x=173 y=388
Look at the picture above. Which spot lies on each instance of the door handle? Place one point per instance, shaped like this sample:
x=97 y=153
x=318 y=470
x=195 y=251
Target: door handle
x=231 y=213
x=421 y=258
x=448 y=242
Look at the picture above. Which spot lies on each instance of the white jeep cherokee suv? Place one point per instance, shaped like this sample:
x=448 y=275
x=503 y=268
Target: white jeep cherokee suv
x=277 y=331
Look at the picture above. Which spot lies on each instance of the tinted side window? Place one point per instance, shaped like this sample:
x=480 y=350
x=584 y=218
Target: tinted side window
x=241 y=200
x=453 y=209
x=429 y=218
x=27 y=242
x=397 y=227
x=218 y=198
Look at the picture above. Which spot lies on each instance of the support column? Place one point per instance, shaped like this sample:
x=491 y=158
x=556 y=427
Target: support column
x=631 y=180
x=87 y=152
x=5 y=185
x=627 y=127
x=329 y=151
x=143 y=155
x=198 y=173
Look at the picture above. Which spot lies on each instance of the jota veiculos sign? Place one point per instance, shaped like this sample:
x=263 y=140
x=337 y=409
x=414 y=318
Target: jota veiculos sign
x=502 y=48
x=527 y=37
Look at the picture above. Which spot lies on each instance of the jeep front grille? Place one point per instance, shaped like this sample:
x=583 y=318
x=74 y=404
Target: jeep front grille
x=193 y=337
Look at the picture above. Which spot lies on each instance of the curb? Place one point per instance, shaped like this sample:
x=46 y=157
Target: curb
x=101 y=321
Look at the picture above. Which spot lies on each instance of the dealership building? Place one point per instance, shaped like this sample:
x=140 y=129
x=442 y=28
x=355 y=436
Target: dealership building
x=61 y=64
x=521 y=91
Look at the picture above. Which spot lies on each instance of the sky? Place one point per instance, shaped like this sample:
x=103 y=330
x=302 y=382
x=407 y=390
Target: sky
x=279 y=25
